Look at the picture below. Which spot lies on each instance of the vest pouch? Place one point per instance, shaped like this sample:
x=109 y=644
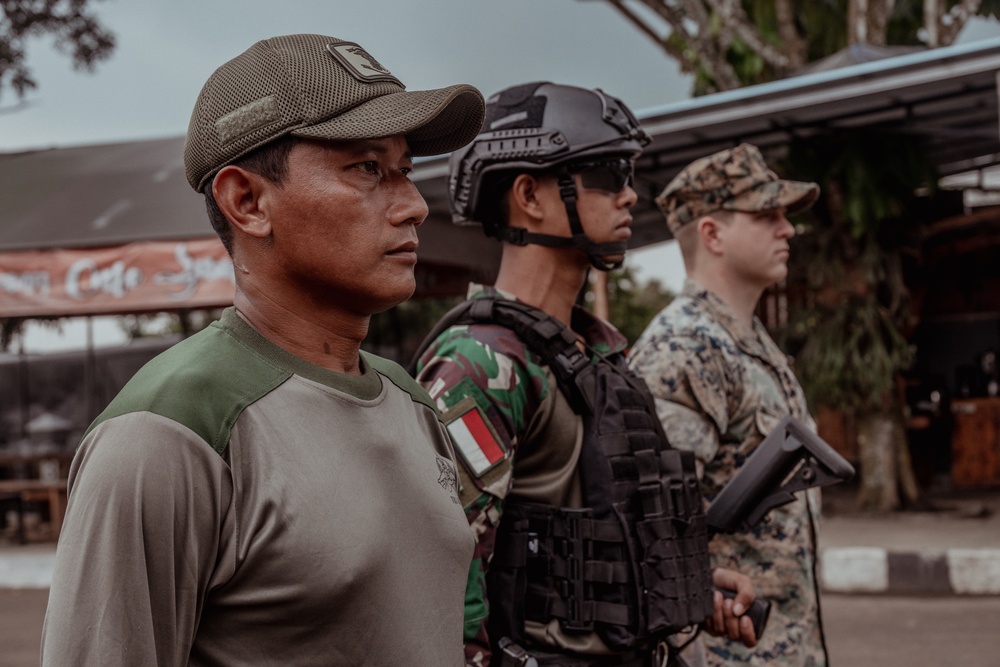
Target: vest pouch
x=675 y=562
x=679 y=590
x=507 y=578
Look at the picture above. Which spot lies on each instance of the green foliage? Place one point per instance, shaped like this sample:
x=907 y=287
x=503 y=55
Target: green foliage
x=990 y=8
x=907 y=19
x=633 y=304
x=869 y=178
x=749 y=67
x=846 y=326
x=10 y=328
x=851 y=353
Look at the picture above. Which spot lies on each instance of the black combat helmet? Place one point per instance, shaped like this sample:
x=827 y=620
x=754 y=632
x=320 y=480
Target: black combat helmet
x=549 y=127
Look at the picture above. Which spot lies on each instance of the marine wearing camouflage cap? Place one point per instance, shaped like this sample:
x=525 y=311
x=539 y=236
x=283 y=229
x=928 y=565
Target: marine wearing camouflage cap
x=736 y=179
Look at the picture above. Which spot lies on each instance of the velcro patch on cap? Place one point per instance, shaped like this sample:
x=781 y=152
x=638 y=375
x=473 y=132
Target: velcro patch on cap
x=249 y=117
x=477 y=443
x=359 y=63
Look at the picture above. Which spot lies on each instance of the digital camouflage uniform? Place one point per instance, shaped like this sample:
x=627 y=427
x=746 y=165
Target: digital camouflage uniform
x=720 y=388
x=737 y=179
x=488 y=370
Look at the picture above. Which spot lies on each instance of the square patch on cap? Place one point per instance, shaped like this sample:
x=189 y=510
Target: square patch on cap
x=476 y=441
x=359 y=63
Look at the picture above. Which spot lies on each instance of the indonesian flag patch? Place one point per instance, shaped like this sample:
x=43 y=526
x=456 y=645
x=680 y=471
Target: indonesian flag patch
x=476 y=441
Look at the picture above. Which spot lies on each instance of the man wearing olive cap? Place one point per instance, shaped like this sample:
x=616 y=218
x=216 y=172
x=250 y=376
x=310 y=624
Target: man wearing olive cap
x=264 y=492
x=721 y=384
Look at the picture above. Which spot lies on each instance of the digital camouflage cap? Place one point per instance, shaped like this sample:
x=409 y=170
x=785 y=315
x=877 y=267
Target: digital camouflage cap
x=736 y=179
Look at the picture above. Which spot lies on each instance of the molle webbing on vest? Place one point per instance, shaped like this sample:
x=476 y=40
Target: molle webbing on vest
x=632 y=564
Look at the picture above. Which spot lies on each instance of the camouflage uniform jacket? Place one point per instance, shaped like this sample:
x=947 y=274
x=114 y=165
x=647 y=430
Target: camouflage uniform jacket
x=720 y=387
x=483 y=375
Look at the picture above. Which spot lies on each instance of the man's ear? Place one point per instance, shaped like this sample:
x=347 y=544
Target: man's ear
x=709 y=233
x=240 y=195
x=524 y=198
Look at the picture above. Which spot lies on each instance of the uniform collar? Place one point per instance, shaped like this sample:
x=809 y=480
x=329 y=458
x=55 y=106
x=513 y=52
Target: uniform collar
x=749 y=339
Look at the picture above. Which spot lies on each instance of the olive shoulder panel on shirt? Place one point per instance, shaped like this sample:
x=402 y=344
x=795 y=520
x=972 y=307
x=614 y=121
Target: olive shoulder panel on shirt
x=399 y=377
x=203 y=382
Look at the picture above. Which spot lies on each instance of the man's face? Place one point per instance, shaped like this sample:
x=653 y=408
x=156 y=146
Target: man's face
x=604 y=197
x=756 y=246
x=344 y=224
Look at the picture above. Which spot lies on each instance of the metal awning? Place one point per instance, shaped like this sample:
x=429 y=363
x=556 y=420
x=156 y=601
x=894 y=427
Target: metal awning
x=136 y=191
x=946 y=97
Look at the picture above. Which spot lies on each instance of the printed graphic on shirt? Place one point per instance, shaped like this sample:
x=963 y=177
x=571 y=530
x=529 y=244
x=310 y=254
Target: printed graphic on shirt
x=448 y=477
x=477 y=443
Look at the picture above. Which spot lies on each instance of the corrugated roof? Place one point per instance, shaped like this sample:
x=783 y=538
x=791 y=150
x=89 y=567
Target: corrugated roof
x=98 y=195
x=111 y=194
x=945 y=97
x=103 y=195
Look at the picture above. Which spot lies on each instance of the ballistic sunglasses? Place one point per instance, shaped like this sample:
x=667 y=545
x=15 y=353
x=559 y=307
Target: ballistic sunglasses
x=608 y=174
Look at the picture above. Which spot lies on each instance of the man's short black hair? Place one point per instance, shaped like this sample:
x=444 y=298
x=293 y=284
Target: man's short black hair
x=269 y=161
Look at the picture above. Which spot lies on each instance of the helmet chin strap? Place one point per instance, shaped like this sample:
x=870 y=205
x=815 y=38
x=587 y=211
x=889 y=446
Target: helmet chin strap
x=596 y=252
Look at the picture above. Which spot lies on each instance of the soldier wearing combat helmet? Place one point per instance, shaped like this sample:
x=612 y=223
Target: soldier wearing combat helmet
x=721 y=384
x=534 y=390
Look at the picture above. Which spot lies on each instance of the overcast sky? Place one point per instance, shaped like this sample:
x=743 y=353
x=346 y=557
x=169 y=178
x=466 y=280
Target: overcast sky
x=167 y=48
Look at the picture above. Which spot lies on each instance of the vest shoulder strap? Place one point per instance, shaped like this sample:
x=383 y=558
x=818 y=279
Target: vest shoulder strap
x=543 y=334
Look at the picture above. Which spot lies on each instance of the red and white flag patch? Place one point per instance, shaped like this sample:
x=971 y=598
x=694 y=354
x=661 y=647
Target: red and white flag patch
x=476 y=441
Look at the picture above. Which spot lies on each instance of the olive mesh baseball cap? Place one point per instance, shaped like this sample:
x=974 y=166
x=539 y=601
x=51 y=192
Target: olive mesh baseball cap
x=318 y=87
x=735 y=179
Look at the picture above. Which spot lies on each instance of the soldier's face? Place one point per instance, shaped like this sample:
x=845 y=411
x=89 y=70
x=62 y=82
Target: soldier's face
x=756 y=246
x=344 y=228
x=604 y=203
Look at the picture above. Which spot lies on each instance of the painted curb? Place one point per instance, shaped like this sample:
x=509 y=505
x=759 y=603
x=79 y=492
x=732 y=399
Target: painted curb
x=874 y=570
x=27 y=570
x=848 y=570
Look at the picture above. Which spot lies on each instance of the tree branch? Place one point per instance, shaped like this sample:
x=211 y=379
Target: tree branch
x=931 y=11
x=879 y=13
x=952 y=22
x=795 y=45
x=693 y=51
x=736 y=21
x=77 y=32
x=683 y=59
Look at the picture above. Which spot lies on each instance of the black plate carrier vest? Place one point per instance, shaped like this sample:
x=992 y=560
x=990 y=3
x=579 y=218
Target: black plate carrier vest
x=632 y=564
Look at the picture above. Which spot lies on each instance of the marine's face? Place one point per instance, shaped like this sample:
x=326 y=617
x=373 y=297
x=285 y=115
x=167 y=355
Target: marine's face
x=345 y=223
x=756 y=246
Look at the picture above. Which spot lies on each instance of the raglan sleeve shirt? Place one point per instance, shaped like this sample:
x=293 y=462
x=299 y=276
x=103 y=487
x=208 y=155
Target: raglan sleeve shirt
x=149 y=525
x=238 y=505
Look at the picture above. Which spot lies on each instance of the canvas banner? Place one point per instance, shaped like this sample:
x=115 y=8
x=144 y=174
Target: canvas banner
x=136 y=277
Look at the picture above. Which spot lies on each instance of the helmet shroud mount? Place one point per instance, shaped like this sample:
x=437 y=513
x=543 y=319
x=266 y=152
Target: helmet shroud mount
x=541 y=127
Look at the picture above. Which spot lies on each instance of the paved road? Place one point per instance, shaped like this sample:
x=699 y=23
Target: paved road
x=21 y=616
x=912 y=632
x=861 y=631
